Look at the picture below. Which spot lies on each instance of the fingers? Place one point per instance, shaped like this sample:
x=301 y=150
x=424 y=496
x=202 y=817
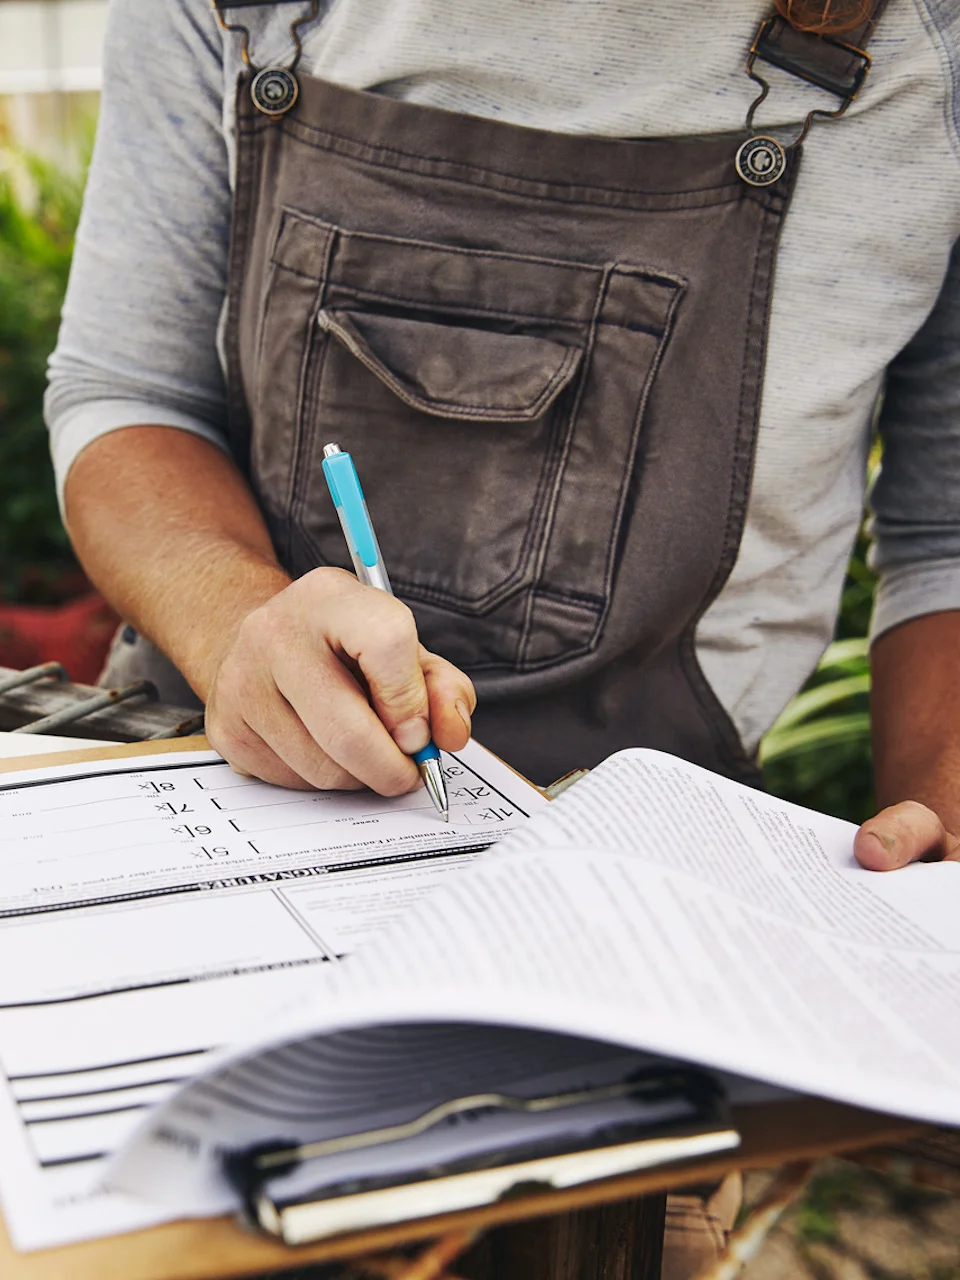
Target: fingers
x=334 y=713
x=269 y=741
x=379 y=634
x=249 y=755
x=904 y=833
x=452 y=699
x=327 y=686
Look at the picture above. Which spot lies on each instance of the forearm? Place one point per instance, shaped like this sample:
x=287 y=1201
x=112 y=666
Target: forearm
x=168 y=530
x=916 y=715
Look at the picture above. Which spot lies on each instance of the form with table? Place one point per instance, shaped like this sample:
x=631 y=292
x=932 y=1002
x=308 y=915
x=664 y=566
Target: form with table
x=215 y=927
x=192 y=903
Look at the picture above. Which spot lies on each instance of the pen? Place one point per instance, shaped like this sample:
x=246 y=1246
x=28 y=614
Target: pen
x=344 y=485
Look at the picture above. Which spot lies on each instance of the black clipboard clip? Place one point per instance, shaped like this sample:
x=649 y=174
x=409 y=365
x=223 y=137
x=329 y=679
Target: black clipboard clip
x=299 y=1192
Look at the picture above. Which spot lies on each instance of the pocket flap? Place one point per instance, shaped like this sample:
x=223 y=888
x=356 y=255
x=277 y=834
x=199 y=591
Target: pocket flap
x=455 y=371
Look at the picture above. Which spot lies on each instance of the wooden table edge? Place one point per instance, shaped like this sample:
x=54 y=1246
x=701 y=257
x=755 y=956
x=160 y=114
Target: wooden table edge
x=202 y=1249
x=114 y=751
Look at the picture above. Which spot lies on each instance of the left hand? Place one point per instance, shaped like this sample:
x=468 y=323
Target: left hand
x=904 y=833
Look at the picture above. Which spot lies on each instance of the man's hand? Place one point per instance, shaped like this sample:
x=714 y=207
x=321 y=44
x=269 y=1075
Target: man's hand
x=326 y=685
x=904 y=833
x=315 y=683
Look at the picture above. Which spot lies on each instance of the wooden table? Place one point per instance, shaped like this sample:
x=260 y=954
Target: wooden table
x=598 y=1232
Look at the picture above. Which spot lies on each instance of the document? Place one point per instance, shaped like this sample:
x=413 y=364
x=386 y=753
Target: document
x=655 y=908
x=154 y=909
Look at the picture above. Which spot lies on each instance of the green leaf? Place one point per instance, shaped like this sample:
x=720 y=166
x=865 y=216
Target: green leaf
x=820 y=698
x=842 y=652
x=39 y=211
x=817 y=735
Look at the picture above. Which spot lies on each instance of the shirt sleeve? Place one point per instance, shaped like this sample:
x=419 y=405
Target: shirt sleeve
x=916 y=499
x=138 y=338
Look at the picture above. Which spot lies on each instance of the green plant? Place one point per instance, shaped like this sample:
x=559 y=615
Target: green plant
x=39 y=210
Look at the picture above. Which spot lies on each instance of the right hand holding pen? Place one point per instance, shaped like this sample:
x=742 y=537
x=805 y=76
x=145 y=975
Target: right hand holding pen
x=327 y=686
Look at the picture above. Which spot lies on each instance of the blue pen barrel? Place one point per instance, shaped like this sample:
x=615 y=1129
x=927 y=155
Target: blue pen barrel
x=351 y=507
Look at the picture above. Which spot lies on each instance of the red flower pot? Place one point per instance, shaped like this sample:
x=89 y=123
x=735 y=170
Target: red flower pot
x=76 y=634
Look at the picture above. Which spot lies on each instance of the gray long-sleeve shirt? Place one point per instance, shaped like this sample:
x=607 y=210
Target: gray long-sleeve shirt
x=865 y=256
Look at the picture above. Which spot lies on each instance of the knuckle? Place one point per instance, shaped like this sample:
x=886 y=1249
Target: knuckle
x=327 y=579
x=913 y=810
x=384 y=658
x=912 y=822
x=254 y=634
x=334 y=740
x=269 y=626
x=405 y=708
x=398 y=626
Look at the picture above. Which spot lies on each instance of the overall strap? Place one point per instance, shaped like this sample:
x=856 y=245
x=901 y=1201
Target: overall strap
x=836 y=65
x=839 y=66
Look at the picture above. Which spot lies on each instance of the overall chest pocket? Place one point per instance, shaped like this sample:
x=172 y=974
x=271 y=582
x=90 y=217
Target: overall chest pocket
x=493 y=404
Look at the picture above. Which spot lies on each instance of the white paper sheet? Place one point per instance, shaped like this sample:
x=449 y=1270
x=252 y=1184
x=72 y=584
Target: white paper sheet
x=153 y=909
x=654 y=906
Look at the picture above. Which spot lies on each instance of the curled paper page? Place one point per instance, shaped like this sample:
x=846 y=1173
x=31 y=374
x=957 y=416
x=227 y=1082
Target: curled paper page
x=655 y=907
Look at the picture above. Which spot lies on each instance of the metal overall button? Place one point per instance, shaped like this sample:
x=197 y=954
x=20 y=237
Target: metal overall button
x=274 y=90
x=761 y=161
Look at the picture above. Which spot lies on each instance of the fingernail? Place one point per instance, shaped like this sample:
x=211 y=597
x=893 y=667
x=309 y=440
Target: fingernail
x=464 y=714
x=878 y=847
x=413 y=735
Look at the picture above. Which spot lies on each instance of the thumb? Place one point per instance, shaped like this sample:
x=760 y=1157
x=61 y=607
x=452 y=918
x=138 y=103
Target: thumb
x=904 y=833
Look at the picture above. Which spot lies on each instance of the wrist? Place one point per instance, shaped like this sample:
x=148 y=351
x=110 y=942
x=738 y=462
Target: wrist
x=232 y=584
x=915 y=705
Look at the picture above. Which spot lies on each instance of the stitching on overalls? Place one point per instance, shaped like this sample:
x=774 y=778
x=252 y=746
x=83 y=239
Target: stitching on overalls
x=715 y=714
x=363 y=149
x=630 y=470
x=551 y=512
x=311 y=374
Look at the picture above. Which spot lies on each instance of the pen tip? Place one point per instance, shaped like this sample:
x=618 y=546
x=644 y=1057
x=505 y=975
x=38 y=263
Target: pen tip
x=432 y=776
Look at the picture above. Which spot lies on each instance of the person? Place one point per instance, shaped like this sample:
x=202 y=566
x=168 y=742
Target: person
x=611 y=399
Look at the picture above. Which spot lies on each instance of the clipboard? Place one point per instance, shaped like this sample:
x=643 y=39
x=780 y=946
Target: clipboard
x=654 y=1117
x=214 y=1249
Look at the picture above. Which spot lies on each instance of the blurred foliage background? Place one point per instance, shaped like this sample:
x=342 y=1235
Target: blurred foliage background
x=39 y=209
x=817 y=754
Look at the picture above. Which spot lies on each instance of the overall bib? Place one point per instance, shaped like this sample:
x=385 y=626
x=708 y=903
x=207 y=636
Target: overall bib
x=545 y=353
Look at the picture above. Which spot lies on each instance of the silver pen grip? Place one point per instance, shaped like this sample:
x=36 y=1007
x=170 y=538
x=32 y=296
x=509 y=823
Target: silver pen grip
x=370 y=575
